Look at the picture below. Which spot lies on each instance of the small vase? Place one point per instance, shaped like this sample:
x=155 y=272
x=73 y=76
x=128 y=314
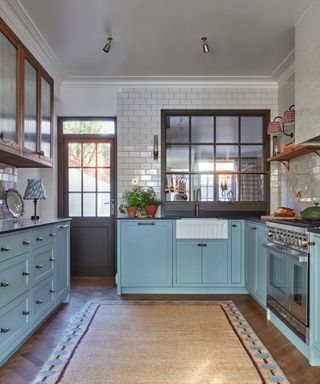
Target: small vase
x=132 y=212
x=151 y=209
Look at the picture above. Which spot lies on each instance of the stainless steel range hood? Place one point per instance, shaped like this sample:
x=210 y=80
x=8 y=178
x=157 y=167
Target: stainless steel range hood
x=314 y=141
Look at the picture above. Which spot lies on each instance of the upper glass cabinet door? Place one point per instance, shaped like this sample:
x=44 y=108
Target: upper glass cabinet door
x=45 y=127
x=8 y=89
x=30 y=106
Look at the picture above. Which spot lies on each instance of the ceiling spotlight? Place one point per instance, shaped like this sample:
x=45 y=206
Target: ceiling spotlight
x=107 y=47
x=205 y=45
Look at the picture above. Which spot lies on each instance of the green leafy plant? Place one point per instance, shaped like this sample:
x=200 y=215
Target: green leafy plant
x=133 y=198
x=149 y=197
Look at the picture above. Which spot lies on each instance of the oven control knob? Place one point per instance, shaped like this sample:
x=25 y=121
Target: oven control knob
x=295 y=241
x=277 y=236
x=291 y=240
x=281 y=236
x=270 y=234
x=304 y=243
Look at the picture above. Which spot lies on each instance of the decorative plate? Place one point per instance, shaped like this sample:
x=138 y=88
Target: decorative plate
x=14 y=202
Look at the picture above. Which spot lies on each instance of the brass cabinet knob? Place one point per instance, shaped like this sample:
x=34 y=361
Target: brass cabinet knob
x=4 y=284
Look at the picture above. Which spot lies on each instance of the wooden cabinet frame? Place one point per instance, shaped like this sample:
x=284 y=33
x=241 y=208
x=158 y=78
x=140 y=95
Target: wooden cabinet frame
x=15 y=153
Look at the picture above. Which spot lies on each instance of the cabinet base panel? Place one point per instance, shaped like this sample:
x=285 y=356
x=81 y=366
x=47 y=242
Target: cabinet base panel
x=183 y=290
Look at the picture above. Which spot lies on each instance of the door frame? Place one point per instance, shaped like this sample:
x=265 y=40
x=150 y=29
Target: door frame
x=61 y=164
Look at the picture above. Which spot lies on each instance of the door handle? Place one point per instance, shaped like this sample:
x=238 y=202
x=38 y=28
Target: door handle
x=40 y=238
x=112 y=207
x=38 y=266
x=146 y=223
x=26 y=242
x=4 y=284
x=5 y=249
x=39 y=301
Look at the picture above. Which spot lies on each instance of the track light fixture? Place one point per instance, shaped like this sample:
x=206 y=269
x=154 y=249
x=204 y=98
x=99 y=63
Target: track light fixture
x=205 y=45
x=107 y=47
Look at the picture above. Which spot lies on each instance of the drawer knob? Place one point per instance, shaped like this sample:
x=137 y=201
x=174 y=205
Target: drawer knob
x=52 y=259
x=26 y=242
x=4 y=330
x=5 y=249
x=38 y=266
x=253 y=228
x=63 y=226
x=25 y=313
x=25 y=273
x=4 y=284
x=52 y=234
x=234 y=225
x=40 y=238
x=204 y=245
x=52 y=291
x=39 y=301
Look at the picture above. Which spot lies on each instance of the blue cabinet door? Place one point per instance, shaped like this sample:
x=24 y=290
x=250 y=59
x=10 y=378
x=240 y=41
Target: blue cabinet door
x=315 y=294
x=261 y=265
x=62 y=260
x=236 y=242
x=146 y=253
x=251 y=241
x=189 y=262
x=214 y=262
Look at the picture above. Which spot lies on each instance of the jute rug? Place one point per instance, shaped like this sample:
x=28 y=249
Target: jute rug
x=147 y=342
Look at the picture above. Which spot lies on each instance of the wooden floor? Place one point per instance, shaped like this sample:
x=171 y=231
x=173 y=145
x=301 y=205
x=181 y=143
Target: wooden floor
x=25 y=363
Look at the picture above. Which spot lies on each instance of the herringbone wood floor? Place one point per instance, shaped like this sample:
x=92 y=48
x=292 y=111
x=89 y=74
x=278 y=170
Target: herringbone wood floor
x=25 y=363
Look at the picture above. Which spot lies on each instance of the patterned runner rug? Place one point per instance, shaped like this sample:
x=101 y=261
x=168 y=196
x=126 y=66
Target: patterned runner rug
x=166 y=342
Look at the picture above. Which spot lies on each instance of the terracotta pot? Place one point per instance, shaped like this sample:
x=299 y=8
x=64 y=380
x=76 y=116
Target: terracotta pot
x=132 y=212
x=151 y=209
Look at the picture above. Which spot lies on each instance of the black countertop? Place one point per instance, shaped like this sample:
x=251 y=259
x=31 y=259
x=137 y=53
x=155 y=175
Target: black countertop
x=9 y=225
x=257 y=219
x=314 y=230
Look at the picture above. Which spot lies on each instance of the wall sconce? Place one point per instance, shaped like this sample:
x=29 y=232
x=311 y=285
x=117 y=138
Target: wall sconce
x=107 y=47
x=276 y=127
x=205 y=45
x=289 y=116
x=155 y=147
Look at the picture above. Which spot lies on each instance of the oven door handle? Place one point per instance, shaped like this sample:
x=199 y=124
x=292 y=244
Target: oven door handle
x=302 y=257
x=275 y=247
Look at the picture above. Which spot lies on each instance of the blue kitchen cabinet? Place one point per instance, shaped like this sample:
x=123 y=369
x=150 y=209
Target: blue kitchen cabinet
x=256 y=262
x=315 y=301
x=146 y=253
x=236 y=249
x=62 y=261
x=202 y=262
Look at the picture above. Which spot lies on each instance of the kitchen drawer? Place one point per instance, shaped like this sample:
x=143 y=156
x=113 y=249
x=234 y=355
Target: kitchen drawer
x=13 y=278
x=14 y=324
x=15 y=244
x=42 y=236
x=42 y=299
x=43 y=263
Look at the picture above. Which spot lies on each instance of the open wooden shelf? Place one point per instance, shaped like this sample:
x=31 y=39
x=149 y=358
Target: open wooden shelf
x=298 y=150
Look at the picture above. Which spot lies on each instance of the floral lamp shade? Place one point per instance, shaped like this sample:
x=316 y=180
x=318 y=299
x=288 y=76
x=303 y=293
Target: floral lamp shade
x=35 y=190
x=289 y=116
x=275 y=126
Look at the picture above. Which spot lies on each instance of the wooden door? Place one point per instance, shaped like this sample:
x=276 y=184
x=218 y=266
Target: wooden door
x=87 y=195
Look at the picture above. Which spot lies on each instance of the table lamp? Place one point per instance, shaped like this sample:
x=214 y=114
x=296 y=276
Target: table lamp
x=35 y=191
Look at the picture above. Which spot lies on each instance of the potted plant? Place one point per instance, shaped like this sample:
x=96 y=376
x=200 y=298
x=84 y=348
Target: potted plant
x=134 y=200
x=150 y=201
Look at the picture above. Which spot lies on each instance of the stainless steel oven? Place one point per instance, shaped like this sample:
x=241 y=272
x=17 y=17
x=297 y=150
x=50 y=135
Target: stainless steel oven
x=288 y=278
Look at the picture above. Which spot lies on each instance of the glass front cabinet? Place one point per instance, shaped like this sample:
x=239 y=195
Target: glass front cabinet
x=26 y=105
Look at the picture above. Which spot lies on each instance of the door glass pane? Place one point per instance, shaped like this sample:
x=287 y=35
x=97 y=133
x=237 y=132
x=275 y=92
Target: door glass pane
x=30 y=106
x=278 y=272
x=89 y=155
x=252 y=188
x=228 y=188
x=75 y=152
x=227 y=158
x=251 y=129
x=75 y=179
x=202 y=158
x=177 y=158
x=89 y=204
x=177 y=129
x=298 y=285
x=104 y=179
x=89 y=179
x=202 y=129
x=74 y=204
x=45 y=135
x=251 y=158
x=78 y=127
x=8 y=92
x=204 y=183
x=227 y=130
x=104 y=155
x=104 y=204
x=178 y=188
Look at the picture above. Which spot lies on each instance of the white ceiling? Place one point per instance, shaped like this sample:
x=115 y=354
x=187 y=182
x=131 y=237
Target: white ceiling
x=162 y=38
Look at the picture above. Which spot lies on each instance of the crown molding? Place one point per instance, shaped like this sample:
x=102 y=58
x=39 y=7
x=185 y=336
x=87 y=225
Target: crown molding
x=15 y=15
x=285 y=69
x=305 y=13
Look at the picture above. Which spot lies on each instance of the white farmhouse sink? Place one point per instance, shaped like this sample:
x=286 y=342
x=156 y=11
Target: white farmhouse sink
x=201 y=229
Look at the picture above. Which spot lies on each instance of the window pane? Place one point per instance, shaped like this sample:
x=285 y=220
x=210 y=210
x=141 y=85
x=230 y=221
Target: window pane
x=251 y=158
x=178 y=187
x=252 y=188
x=177 y=158
x=105 y=127
x=227 y=129
x=30 y=106
x=251 y=129
x=104 y=179
x=104 y=155
x=45 y=135
x=89 y=179
x=227 y=158
x=89 y=204
x=75 y=155
x=8 y=93
x=177 y=129
x=74 y=204
x=75 y=179
x=202 y=158
x=104 y=204
x=202 y=129
x=89 y=155
x=228 y=187
x=205 y=184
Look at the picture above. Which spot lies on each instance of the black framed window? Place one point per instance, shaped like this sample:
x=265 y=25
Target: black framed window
x=221 y=153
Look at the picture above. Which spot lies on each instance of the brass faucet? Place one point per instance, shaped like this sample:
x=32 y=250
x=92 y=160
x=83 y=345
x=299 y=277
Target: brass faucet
x=198 y=198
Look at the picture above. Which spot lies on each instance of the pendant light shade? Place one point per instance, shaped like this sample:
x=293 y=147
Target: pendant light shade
x=274 y=126
x=289 y=115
